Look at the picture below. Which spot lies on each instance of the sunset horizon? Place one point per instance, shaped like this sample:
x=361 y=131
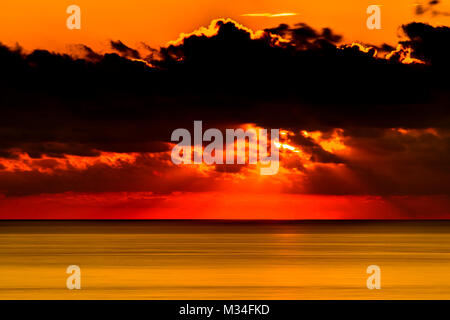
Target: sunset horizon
x=214 y=156
x=324 y=167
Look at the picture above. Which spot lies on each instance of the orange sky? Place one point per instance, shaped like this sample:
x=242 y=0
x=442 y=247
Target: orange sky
x=219 y=205
x=147 y=185
x=42 y=24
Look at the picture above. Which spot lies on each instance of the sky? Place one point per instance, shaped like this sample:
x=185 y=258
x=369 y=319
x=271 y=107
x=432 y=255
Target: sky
x=42 y=24
x=87 y=115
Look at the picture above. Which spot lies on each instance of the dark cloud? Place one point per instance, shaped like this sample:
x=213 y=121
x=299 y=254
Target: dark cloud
x=430 y=44
x=124 y=50
x=84 y=52
x=393 y=163
x=430 y=7
x=302 y=36
x=144 y=173
x=290 y=77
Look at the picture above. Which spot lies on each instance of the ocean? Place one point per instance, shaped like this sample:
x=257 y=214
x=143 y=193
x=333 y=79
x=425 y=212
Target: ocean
x=225 y=259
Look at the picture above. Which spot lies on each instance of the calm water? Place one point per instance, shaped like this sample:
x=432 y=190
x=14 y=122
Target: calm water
x=224 y=260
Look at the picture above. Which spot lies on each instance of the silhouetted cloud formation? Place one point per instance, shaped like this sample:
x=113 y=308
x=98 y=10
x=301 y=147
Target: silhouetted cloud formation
x=124 y=50
x=428 y=43
x=430 y=7
x=296 y=78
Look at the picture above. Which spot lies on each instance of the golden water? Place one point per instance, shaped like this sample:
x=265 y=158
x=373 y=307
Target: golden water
x=224 y=260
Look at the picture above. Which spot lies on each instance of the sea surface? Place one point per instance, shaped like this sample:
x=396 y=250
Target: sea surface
x=225 y=259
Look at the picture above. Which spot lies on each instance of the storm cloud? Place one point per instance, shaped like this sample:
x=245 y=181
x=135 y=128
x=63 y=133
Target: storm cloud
x=292 y=77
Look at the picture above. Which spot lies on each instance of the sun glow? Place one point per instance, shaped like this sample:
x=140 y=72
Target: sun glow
x=403 y=55
x=332 y=144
